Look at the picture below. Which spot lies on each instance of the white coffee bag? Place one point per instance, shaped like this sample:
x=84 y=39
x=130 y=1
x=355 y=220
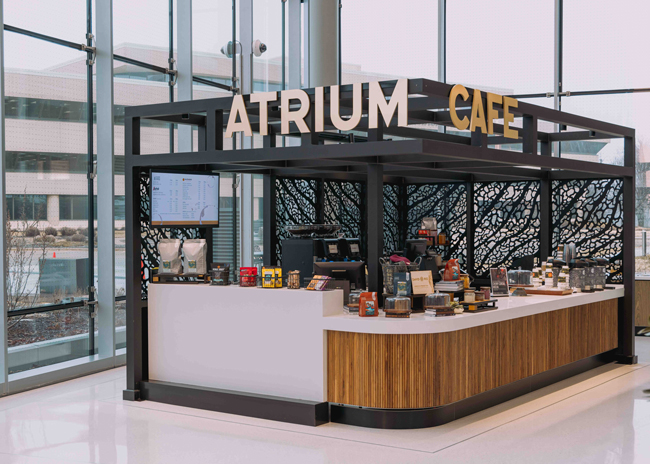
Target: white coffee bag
x=169 y=250
x=194 y=256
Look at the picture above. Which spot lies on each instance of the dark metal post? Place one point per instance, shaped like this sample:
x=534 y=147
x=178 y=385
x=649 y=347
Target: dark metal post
x=626 y=304
x=135 y=331
x=91 y=181
x=471 y=268
x=170 y=78
x=375 y=202
x=270 y=220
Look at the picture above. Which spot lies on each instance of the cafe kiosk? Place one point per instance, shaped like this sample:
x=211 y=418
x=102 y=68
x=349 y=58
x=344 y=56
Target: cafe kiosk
x=293 y=355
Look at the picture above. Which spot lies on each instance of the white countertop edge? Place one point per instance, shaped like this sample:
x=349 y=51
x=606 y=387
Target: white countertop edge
x=509 y=308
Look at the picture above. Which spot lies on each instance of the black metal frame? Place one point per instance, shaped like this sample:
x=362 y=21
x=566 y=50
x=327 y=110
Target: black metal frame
x=422 y=156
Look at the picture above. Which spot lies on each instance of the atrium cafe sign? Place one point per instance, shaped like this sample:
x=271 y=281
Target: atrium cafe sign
x=480 y=117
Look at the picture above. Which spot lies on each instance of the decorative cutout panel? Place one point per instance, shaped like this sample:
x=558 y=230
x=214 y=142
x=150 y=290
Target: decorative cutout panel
x=393 y=227
x=343 y=204
x=296 y=203
x=589 y=213
x=507 y=223
x=448 y=204
x=152 y=235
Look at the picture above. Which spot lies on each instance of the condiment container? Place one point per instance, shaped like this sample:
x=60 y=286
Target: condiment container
x=557 y=267
x=470 y=296
x=397 y=306
x=577 y=274
x=442 y=238
x=353 y=303
x=590 y=274
x=436 y=299
x=601 y=274
x=293 y=280
x=563 y=278
x=247 y=276
x=488 y=292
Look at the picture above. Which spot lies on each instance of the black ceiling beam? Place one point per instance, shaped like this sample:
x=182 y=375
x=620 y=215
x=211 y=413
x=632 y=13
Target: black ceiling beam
x=192 y=119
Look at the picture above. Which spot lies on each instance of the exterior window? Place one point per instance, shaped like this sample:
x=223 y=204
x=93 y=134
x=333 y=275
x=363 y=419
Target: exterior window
x=75 y=207
x=27 y=207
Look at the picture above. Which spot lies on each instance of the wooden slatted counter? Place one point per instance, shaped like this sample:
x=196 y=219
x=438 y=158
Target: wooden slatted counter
x=445 y=367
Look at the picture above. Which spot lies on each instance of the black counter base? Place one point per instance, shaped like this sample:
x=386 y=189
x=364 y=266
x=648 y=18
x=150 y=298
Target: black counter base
x=244 y=404
x=431 y=417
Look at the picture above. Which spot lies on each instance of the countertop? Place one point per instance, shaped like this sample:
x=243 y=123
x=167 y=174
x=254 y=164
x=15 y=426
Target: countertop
x=508 y=308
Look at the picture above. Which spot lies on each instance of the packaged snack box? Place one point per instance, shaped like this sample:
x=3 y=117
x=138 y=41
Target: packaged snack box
x=368 y=304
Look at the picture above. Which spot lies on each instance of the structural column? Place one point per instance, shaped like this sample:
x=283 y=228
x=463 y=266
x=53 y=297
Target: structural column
x=184 y=67
x=626 y=306
x=105 y=181
x=3 y=239
x=246 y=37
x=375 y=227
x=323 y=60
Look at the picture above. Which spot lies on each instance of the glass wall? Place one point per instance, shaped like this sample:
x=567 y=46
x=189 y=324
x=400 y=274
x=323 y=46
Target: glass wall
x=47 y=188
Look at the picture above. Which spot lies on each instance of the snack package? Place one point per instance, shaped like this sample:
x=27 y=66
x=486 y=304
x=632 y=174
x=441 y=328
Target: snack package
x=452 y=270
x=169 y=250
x=405 y=279
x=368 y=304
x=194 y=254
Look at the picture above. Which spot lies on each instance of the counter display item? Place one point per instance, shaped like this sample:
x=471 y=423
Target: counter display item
x=368 y=304
x=557 y=268
x=590 y=275
x=397 y=306
x=499 y=280
x=577 y=275
x=487 y=292
x=271 y=277
x=438 y=304
x=247 y=276
x=319 y=283
x=563 y=278
x=469 y=296
x=169 y=250
x=220 y=274
x=293 y=280
x=601 y=274
x=353 y=304
x=519 y=277
x=402 y=283
x=194 y=256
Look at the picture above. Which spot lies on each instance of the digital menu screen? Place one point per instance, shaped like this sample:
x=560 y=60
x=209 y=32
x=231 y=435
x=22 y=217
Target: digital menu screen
x=184 y=199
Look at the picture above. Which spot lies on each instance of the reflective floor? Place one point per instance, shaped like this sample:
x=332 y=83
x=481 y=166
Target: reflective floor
x=601 y=416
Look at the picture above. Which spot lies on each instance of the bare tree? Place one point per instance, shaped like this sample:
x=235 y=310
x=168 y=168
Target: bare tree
x=20 y=255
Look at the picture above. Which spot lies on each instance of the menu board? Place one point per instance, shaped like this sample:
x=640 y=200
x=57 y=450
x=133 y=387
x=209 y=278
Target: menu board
x=184 y=199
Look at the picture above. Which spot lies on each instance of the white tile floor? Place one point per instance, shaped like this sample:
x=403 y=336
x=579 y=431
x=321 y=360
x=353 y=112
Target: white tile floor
x=600 y=416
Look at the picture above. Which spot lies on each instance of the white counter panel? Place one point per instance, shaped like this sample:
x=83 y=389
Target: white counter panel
x=509 y=308
x=266 y=341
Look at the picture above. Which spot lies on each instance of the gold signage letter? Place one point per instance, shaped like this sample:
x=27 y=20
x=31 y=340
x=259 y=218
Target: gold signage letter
x=320 y=109
x=263 y=99
x=286 y=115
x=357 y=108
x=399 y=101
x=492 y=114
x=456 y=90
x=238 y=107
x=478 y=115
x=508 y=117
